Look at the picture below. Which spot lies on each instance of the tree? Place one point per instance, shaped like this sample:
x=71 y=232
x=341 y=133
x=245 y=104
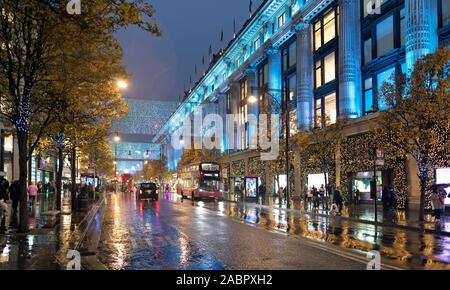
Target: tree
x=418 y=123
x=319 y=145
x=156 y=169
x=29 y=42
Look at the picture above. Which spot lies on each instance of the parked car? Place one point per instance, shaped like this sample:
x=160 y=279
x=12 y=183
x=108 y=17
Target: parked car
x=148 y=191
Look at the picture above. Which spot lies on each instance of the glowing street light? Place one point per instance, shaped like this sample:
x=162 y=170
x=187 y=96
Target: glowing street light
x=122 y=84
x=252 y=99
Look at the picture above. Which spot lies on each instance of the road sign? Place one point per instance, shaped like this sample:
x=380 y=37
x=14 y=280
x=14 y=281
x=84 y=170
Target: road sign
x=380 y=157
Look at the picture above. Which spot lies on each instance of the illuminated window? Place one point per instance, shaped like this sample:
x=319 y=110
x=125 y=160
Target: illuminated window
x=330 y=108
x=318 y=114
x=330 y=67
x=257 y=43
x=329 y=29
x=317 y=35
x=8 y=145
x=281 y=19
x=318 y=73
x=325 y=29
x=385 y=36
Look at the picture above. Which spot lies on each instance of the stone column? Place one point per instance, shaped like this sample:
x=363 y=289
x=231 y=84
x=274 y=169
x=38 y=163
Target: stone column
x=421 y=30
x=253 y=108
x=305 y=93
x=349 y=59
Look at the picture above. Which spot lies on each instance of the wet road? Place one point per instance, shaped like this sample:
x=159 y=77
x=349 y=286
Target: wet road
x=171 y=234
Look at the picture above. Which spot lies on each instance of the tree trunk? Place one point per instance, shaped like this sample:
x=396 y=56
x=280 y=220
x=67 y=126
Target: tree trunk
x=58 y=180
x=326 y=189
x=423 y=178
x=74 y=178
x=22 y=139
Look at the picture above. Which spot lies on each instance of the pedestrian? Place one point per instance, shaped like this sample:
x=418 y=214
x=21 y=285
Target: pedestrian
x=357 y=196
x=337 y=199
x=393 y=198
x=322 y=195
x=4 y=205
x=436 y=204
x=315 y=195
x=386 y=198
x=14 y=192
x=32 y=193
x=4 y=185
x=262 y=192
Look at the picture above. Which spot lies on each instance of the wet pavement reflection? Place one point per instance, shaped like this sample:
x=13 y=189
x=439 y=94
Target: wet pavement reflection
x=403 y=248
x=134 y=237
x=140 y=234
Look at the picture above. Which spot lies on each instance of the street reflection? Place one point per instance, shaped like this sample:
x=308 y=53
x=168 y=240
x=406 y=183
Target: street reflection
x=410 y=249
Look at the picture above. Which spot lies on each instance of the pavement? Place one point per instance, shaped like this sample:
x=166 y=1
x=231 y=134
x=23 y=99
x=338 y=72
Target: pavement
x=364 y=213
x=127 y=234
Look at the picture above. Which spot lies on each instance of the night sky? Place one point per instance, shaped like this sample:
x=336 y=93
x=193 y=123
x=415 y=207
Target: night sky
x=160 y=67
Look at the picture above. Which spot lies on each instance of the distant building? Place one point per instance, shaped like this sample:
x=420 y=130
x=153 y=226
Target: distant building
x=136 y=131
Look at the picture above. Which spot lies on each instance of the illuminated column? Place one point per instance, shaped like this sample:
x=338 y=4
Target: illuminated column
x=421 y=29
x=305 y=94
x=349 y=59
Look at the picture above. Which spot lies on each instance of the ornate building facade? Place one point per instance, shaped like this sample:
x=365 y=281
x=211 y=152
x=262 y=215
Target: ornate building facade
x=327 y=59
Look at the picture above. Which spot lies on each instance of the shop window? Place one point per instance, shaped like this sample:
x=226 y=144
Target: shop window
x=367 y=50
x=330 y=108
x=385 y=36
x=330 y=67
x=8 y=144
x=368 y=96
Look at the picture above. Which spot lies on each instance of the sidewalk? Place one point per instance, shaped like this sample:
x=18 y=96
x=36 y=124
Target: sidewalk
x=38 y=248
x=365 y=213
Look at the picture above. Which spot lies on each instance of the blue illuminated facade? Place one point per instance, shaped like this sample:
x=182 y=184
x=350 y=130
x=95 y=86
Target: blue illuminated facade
x=328 y=57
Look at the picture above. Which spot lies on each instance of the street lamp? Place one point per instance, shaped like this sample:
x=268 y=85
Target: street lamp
x=253 y=100
x=116 y=141
x=121 y=84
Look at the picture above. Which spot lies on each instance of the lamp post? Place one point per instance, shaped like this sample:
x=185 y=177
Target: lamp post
x=116 y=141
x=285 y=107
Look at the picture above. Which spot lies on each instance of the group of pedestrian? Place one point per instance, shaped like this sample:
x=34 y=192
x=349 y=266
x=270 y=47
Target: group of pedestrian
x=438 y=202
x=316 y=197
x=10 y=199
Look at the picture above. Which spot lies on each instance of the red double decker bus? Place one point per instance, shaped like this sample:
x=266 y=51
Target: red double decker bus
x=199 y=180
